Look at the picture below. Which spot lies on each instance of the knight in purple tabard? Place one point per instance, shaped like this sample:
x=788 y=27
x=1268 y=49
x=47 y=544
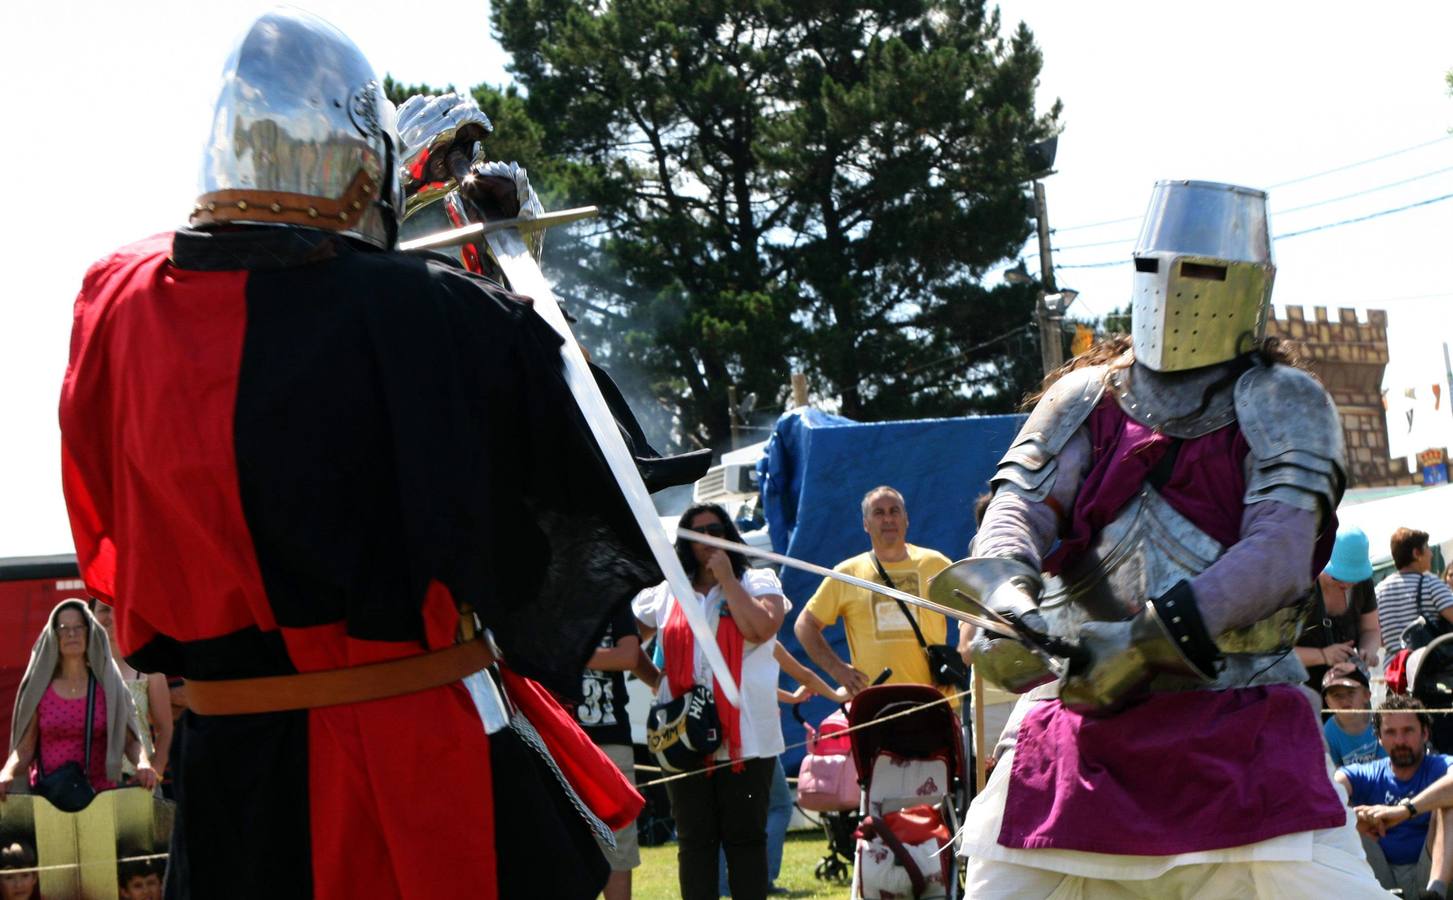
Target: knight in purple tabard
x=1164 y=512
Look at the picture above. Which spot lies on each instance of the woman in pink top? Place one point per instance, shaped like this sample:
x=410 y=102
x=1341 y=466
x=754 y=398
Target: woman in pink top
x=48 y=727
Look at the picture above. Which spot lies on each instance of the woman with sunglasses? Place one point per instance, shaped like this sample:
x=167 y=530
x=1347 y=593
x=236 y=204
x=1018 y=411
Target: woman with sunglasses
x=71 y=660
x=724 y=808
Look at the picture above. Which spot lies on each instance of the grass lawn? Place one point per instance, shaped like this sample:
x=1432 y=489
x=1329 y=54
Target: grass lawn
x=656 y=877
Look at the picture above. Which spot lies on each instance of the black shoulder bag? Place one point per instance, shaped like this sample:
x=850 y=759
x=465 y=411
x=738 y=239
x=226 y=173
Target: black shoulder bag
x=945 y=666
x=1422 y=630
x=68 y=788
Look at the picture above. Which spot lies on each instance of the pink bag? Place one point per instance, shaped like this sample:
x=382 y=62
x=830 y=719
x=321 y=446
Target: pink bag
x=828 y=779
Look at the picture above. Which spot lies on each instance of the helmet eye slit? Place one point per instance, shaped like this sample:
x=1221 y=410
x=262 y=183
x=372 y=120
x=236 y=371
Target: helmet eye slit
x=1201 y=270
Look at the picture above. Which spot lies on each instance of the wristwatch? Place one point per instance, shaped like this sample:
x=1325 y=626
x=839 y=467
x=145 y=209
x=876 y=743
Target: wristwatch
x=1407 y=804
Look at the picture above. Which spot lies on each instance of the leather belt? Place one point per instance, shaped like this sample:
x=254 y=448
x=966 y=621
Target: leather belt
x=334 y=687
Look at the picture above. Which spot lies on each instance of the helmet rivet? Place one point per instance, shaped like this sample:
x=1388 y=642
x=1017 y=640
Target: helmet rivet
x=276 y=207
x=312 y=212
x=357 y=205
x=242 y=204
x=211 y=207
x=343 y=217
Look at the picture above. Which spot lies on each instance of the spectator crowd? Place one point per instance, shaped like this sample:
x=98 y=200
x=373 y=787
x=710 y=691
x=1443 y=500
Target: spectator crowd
x=85 y=721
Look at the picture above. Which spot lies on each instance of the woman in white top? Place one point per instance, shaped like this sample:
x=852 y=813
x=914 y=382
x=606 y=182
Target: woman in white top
x=724 y=808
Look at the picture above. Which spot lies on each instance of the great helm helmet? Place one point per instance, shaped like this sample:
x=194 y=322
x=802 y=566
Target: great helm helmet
x=302 y=135
x=1203 y=275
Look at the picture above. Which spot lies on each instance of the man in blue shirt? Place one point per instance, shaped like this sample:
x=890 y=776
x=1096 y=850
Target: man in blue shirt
x=1413 y=855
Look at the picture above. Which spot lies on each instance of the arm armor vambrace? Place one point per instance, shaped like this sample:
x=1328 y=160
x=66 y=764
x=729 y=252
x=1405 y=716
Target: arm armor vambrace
x=1029 y=466
x=1297 y=454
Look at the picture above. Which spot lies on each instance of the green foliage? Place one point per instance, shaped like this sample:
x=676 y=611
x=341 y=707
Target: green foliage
x=1116 y=321
x=784 y=185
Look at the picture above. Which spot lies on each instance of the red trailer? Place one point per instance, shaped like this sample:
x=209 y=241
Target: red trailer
x=30 y=587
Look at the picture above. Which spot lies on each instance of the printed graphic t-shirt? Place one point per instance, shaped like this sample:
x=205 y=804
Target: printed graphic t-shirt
x=879 y=635
x=1347 y=749
x=601 y=711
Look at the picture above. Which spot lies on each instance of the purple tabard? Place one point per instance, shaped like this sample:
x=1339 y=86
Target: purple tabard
x=1178 y=773
x=1207 y=483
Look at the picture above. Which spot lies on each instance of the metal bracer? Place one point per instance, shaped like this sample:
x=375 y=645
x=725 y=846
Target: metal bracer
x=1166 y=637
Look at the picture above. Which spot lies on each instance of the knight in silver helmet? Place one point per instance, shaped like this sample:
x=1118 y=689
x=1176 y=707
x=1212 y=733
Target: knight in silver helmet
x=302 y=136
x=449 y=183
x=1161 y=514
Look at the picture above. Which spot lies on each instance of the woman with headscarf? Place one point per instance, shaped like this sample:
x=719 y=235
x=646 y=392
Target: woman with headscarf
x=48 y=726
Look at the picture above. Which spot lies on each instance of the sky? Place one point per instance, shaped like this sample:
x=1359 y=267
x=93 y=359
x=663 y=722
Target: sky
x=111 y=101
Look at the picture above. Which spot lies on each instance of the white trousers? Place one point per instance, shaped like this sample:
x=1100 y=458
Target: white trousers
x=1326 y=863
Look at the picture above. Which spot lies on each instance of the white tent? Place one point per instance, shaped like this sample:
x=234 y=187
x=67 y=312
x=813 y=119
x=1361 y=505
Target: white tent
x=1426 y=509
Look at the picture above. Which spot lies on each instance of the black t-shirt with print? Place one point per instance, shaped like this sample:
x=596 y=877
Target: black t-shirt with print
x=602 y=712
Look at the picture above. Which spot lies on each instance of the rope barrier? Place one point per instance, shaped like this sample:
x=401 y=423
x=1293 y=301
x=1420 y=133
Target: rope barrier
x=36 y=870
x=1442 y=711
x=878 y=721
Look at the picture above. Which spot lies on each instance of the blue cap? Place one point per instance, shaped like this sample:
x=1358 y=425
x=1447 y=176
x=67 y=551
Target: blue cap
x=1350 y=561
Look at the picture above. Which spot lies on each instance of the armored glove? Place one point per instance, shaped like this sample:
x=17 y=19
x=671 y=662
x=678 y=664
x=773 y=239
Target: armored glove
x=1167 y=637
x=1008 y=663
x=501 y=190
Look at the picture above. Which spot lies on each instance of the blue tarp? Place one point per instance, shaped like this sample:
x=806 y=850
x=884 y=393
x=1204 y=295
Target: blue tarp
x=814 y=475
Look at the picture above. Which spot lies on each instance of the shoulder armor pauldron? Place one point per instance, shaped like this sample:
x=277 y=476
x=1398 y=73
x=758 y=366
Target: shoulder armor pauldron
x=1295 y=433
x=1065 y=406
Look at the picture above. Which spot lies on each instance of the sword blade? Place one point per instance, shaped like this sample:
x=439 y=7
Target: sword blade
x=526 y=278
x=471 y=233
x=981 y=621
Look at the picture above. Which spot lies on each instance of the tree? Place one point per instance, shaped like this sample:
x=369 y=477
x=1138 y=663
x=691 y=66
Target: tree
x=815 y=185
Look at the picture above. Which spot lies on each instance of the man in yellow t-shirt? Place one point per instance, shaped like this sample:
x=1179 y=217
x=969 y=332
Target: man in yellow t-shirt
x=879 y=636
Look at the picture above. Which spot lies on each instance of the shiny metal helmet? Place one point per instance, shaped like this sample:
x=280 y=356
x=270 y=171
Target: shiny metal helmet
x=1203 y=275
x=440 y=136
x=302 y=135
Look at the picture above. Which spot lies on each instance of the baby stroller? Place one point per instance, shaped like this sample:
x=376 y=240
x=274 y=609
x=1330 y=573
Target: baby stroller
x=914 y=793
x=1430 y=679
x=827 y=784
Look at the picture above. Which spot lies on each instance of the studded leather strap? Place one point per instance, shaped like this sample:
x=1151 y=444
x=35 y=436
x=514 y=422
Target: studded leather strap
x=283 y=208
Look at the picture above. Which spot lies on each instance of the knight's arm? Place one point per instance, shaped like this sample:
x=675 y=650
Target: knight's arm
x=1037 y=480
x=1018 y=525
x=1294 y=481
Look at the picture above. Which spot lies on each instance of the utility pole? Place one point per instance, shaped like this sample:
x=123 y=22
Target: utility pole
x=732 y=413
x=799 y=389
x=1051 y=350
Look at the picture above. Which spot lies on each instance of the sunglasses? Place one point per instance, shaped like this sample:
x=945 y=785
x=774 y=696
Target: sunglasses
x=712 y=529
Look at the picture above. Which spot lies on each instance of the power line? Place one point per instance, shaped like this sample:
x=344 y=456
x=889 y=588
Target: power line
x=1098 y=265
x=1371 y=190
x=1362 y=162
x=1386 y=212
x=1278 y=212
x=1298 y=180
x=974 y=349
x=1290 y=234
